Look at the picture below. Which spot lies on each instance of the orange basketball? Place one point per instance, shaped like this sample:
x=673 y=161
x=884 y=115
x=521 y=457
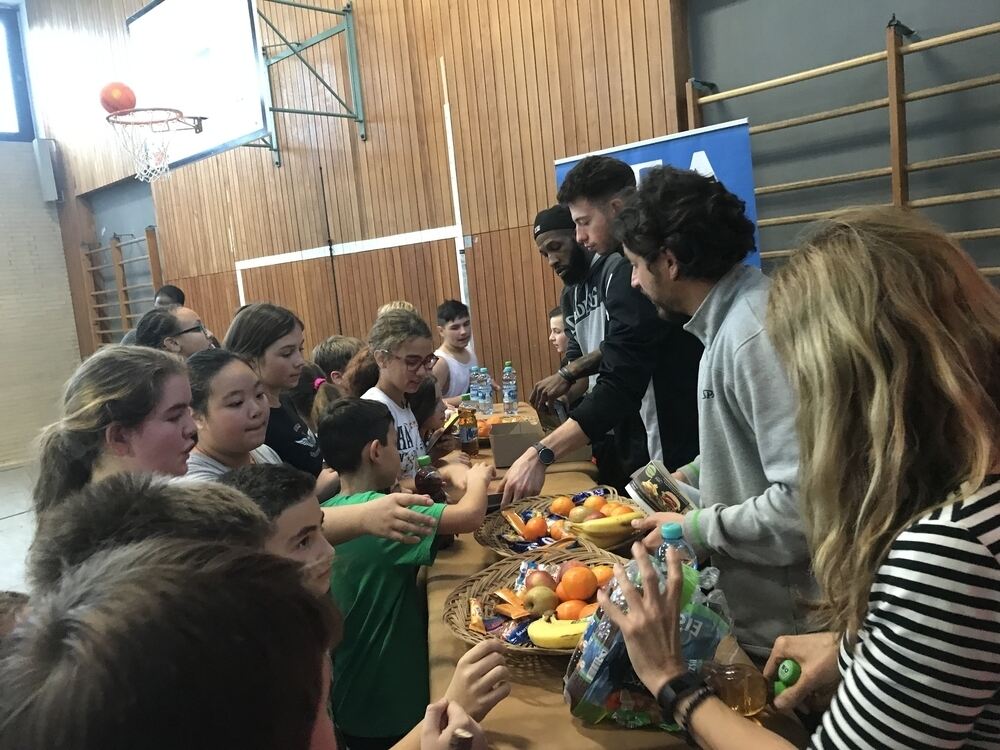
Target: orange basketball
x=116 y=96
x=561 y=506
x=603 y=574
x=579 y=583
x=570 y=610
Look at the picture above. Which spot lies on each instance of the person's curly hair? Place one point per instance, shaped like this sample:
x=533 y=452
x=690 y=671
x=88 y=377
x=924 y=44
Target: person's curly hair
x=693 y=216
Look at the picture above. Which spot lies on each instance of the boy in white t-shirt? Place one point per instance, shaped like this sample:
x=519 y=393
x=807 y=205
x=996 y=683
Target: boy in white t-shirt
x=456 y=357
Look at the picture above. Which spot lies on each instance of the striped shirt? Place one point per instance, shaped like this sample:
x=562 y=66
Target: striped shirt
x=925 y=670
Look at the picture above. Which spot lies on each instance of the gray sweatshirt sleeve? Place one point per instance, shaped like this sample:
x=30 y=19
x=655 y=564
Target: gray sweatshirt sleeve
x=766 y=529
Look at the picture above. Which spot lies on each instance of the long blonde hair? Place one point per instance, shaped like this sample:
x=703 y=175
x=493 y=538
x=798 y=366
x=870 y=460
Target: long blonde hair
x=891 y=338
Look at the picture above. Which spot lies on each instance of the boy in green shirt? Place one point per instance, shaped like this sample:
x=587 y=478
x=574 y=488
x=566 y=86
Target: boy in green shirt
x=373 y=582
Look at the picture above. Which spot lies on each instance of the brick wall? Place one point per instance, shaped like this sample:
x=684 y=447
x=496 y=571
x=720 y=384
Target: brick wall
x=38 y=344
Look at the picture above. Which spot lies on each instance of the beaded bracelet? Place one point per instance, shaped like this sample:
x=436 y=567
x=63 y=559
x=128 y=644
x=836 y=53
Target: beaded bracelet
x=697 y=698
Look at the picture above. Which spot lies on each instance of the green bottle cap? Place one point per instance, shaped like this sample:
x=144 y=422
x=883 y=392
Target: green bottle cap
x=466 y=397
x=508 y=363
x=671 y=531
x=779 y=688
x=789 y=672
x=424 y=461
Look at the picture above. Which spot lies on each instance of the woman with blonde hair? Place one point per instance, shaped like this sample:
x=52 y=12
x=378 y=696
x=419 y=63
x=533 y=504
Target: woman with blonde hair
x=125 y=409
x=891 y=338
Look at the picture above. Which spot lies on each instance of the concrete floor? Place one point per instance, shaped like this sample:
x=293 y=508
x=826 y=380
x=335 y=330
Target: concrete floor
x=17 y=525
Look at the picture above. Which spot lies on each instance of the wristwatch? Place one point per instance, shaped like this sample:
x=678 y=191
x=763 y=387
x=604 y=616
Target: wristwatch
x=565 y=374
x=678 y=688
x=545 y=455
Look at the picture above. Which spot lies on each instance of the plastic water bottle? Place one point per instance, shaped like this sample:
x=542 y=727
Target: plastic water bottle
x=509 y=388
x=485 y=391
x=672 y=536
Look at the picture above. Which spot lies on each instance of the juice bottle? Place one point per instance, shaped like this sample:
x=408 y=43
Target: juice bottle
x=468 y=426
x=739 y=686
x=429 y=482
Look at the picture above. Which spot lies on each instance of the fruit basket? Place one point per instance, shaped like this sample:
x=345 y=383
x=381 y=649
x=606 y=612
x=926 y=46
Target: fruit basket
x=560 y=636
x=608 y=531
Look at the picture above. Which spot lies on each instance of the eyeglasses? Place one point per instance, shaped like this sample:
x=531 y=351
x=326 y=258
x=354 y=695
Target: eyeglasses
x=200 y=328
x=414 y=362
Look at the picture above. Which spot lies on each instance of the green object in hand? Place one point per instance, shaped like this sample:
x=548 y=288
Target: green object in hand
x=789 y=672
x=779 y=688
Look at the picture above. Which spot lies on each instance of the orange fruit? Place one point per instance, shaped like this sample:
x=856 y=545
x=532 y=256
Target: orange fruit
x=579 y=583
x=622 y=510
x=558 y=530
x=610 y=508
x=561 y=506
x=603 y=574
x=587 y=611
x=535 y=529
x=561 y=593
x=595 y=502
x=570 y=610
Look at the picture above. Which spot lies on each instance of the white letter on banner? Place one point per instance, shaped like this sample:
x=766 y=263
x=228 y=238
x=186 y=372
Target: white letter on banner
x=701 y=164
x=637 y=168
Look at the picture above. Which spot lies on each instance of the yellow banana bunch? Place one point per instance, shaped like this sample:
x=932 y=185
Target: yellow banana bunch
x=604 y=532
x=549 y=632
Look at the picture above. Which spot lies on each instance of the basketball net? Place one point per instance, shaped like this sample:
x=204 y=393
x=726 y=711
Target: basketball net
x=146 y=135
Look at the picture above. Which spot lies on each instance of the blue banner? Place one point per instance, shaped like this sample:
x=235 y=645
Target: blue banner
x=721 y=150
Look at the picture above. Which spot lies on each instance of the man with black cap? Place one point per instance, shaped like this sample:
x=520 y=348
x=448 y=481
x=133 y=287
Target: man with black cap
x=587 y=277
x=647 y=364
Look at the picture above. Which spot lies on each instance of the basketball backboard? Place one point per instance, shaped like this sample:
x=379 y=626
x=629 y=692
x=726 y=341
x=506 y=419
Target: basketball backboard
x=202 y=57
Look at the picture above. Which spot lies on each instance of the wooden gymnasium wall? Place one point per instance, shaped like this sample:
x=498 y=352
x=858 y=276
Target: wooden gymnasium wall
x=529 y=81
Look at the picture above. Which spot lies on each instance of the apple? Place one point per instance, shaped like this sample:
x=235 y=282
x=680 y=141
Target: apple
x=539 y=578
x=567 y=565
x=593 y=515
x=540 y=600
x=579 y=514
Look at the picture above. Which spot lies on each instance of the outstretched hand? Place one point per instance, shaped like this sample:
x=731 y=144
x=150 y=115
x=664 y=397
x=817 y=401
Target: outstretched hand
x=390 y=517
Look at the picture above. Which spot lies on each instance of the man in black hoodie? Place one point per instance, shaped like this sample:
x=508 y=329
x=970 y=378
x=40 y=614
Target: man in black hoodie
x=587 y=277
x=647 y=364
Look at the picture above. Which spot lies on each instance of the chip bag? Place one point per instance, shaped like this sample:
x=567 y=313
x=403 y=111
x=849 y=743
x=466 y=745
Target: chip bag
x=600 y=683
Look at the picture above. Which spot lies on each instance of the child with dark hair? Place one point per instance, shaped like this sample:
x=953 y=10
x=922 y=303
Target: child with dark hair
x=287 y=497
x=361 y=373
x=303 y=396
x=168 y=294
x=456 y=357
x=374 y=583
x=333 y=355
x=271 y=338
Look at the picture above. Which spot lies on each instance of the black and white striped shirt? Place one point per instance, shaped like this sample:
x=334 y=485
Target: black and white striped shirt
x=925 y=671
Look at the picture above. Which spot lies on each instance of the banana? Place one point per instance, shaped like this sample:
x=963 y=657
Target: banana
x=549 y=632
x=605 y=532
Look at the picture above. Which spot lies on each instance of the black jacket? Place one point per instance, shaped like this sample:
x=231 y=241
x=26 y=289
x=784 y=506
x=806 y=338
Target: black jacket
x=640 y=348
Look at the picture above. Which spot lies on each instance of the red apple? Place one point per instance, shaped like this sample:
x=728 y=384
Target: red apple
x=540 y=578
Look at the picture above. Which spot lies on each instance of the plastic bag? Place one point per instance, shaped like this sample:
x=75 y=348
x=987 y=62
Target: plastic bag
x=600 y=682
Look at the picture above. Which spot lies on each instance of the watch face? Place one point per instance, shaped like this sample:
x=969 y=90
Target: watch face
x=545 y=455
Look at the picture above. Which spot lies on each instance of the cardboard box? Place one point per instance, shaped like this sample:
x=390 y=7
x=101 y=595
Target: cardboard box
x=510 y=439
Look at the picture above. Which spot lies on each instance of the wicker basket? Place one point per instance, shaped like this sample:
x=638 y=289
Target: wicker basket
x=504 y=573
x=490 y=534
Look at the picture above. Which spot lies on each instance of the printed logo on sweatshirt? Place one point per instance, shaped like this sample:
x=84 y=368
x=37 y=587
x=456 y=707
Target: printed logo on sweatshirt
x=707 y=394
x=585 y=306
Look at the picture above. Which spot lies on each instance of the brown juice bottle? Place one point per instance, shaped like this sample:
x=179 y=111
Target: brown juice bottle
x=468 y=426
x=428 y=481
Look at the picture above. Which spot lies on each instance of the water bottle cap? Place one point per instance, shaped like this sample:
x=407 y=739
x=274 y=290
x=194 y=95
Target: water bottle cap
x=424 y=461
x=671 y=531
x=483 y=370
x=466 y=397
x=508 y=363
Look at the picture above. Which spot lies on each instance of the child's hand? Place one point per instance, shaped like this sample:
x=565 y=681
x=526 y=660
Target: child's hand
x=390 y=517
x=480 y=680
x=481 y=473
x=457 y=457
x=455 y=476
x=447 y=727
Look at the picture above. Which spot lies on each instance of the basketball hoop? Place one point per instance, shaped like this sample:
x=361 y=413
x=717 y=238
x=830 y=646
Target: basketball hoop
x=146 y=134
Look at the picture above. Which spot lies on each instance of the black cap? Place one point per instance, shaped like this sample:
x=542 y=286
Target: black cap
x=557 y=217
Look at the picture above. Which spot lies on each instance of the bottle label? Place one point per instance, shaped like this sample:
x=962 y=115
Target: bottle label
x=509 y=393
x=468 y=433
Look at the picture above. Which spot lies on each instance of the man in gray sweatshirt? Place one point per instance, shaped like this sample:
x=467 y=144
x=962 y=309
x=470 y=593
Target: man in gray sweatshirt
x=686 y=237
